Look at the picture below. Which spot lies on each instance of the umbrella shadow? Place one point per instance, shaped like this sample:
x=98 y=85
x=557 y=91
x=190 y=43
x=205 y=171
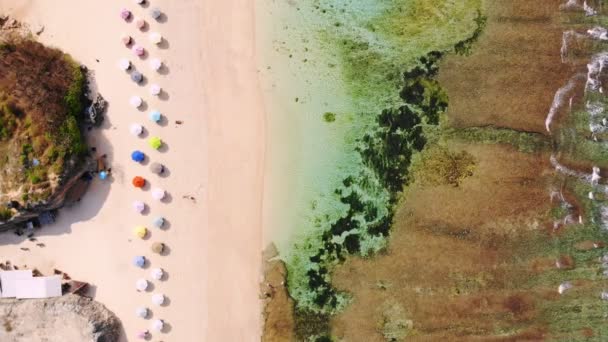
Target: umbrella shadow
x=150 y=287
x=144 y=133
x=165 y=276
x=168 y=198
x=146 y=27
x=150 y=314
x=166 y=172
x=164 y=69
x=166 y=251
x=146 y=210
x=166 y=225
x=163 y=122
x=164 y=44
x=167 y=302
x=164 y=148
x=164 y=95
x=143 y=107
x=145 y=4
x=166 y=328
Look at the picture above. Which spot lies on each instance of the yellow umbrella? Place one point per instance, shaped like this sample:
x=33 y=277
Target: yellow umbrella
x=140 y=231
x=155 y=142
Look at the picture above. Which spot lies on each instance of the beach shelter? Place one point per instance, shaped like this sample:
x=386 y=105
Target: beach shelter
x=157 y=273
x=38 y=287
x=139 y=206
x=143 y=335
x=141 y=312
x=155 y=38
x=141 y=2
x=155 y=89
x=155 y=64
x=158 y=325
x=158 y=299
x=140 y=231
x=141 y=284
x=158 y=222
x=136 y=101
x=157 y=168
x=137 y=77
x=140 y=23
x=158 y=194
x=8 y=281
x=136 y=129
x=126 y=39
x=155 y=116
x=138 y=182
x=156 y=13
x=138 y=50
x=158 y=247
x=124 y=64
x=139 y=261
x=138 y=156
x=155 y=142
x=125 y=14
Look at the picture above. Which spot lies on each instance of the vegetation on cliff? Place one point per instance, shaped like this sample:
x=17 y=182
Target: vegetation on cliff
x=42 y=98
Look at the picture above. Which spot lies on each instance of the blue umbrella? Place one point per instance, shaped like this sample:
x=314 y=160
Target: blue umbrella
x=138 y=156
x=139 y=261
x=155 y=116
x=103 y=175
x=159 y=222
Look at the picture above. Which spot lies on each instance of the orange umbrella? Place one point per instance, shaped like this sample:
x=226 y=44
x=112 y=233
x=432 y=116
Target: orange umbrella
x=139 y=182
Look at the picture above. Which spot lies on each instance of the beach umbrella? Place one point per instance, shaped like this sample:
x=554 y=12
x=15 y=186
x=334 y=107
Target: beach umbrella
x=140 y=231
x=103 y=175
x=155 y=116
x=155 y=142
x=158 y=247
x=136 y=101
x=137 y=77
x=156 y=64
x=158 y=325
x=139 y=261
x=157 y=273
x=156 y=13
x=138 y=156
x=126 y=39
x=136 y=129
x=138 y=50
x=139 y=206
x=140 y=1
x=138 y=182
x=157 y=168
x=158 y=194
x=140 y=23
x=155 y=38
x=141 y=284
x=158 y=299
x=155 y=89
x=141 y=312
x=158 y=222
x=124 y=64
x=125 y=14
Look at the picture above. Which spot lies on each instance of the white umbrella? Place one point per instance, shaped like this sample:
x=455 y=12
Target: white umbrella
x=136 y=101
x=139 y=1
x=158 y=299
x=141 y=312
x=155 y=89
x=139 y=206
x=136 y=129
x=141 y=284
x=158 y=325
x=157 y=273
x=124 y=64
x=158 y=194
x=155 y=38
x=156 y=64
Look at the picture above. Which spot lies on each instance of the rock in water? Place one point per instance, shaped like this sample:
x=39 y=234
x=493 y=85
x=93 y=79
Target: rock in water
x=66 y=318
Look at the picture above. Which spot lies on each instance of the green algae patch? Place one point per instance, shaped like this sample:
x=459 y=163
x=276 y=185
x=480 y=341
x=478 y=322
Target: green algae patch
x=329 y=117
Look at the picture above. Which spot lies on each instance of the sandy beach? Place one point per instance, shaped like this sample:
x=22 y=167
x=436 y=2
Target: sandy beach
x=215 y=161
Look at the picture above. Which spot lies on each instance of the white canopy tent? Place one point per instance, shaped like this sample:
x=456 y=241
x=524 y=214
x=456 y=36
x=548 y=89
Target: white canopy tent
x=8 y=282
x=39 y=287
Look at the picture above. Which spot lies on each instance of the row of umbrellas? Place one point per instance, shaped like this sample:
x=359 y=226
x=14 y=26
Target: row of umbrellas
x=138 y=156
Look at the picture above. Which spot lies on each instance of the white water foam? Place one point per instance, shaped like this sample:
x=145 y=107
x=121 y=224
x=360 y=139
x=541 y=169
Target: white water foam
x=558 y=100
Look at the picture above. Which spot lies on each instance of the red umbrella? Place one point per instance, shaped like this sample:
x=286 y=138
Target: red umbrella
x=139 y=182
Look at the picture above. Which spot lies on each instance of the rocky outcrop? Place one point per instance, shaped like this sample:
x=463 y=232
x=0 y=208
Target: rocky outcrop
x=69 y=318
x=279 y=322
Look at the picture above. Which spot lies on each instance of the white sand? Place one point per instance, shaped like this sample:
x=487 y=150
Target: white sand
x=216 y=156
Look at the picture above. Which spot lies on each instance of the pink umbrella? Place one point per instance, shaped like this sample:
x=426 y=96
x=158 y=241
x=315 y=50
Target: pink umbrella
x=138 y=50
x=143 y=335
x=140 y=23
x=126 y=39
x=125 y=14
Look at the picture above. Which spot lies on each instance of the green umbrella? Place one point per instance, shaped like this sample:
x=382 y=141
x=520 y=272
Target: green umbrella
x=155 y=142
